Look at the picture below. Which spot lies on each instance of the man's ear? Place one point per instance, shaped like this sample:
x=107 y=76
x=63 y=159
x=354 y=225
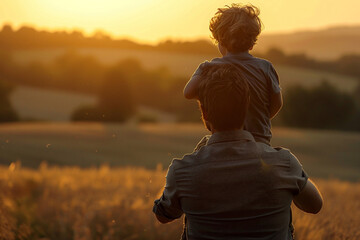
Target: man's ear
x=203 y=112
x=204 y=117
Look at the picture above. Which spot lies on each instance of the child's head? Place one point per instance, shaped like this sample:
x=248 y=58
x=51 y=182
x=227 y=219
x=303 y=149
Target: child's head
x=224 y=97
x=236 y=28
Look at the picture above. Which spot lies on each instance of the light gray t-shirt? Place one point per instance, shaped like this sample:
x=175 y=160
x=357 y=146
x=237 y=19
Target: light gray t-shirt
x=233 y=188
x=263 y=82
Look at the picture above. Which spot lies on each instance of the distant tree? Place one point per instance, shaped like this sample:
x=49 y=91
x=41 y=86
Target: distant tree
x=199 y=46
x=116 y=99
x=7 y=29
x=7 y=65
x=7 y=113
x=185 y=110
x=349 y=64
x=276 y=55
x=320 y=107
x=357 y=95
x=76 y=72
x=87 y=113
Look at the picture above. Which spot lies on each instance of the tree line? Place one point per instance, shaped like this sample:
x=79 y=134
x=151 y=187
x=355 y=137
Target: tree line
x=30 y=38
x=119 y=87
x=346 y=65
x=124 y=86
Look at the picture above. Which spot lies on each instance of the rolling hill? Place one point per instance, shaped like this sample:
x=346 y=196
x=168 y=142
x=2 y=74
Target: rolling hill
x=328 y=43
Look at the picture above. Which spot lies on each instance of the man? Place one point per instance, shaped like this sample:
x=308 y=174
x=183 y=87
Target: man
x=232 y=187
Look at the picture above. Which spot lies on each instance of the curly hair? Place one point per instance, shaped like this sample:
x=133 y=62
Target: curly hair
x=224 y=96
x=236 y=27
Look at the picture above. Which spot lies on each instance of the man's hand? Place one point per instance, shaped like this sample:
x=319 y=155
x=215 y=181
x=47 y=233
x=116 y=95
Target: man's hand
x=163 y=219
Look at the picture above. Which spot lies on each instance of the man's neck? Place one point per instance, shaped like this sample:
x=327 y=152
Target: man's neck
x=229 y=130
x=234 y=53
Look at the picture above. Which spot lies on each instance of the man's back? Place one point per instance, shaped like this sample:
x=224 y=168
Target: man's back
x=234 y=188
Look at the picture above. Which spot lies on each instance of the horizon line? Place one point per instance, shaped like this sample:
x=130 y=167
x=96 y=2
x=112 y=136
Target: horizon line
x=166 y=38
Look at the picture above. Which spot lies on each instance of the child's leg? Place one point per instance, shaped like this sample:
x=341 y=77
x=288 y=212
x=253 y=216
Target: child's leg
x=202 y=142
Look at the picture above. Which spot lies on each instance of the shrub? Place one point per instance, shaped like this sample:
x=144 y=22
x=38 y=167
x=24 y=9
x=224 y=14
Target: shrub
x=320 y=107
x=86 y=113
x=147 y=118
x=7 y=113
x=115 y=100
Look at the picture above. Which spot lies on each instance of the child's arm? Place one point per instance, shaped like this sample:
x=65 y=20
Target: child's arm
x=276 y=100
x=191 y=90
x=276 y=103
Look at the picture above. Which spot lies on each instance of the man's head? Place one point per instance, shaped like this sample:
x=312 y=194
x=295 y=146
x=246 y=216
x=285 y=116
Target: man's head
x=236 y=28
x=224 y=97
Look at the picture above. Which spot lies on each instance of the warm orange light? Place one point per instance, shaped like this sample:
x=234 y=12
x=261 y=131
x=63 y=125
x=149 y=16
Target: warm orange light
x=151 y=20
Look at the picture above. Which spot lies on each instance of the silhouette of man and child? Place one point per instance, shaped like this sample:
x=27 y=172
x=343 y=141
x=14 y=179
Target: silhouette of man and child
x=234 y=185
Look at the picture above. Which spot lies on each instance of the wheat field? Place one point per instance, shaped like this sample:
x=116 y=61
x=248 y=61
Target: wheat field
x=115 y=203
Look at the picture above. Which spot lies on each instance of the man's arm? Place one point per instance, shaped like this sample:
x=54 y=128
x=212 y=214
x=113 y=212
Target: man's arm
x=276 y=103
x=309 y=199
x=167 y=208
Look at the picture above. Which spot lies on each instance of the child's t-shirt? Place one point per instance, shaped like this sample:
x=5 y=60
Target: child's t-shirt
x=263 y=82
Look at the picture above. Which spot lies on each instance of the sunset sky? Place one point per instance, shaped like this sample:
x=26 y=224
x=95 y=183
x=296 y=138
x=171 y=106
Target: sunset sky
x=153 y=20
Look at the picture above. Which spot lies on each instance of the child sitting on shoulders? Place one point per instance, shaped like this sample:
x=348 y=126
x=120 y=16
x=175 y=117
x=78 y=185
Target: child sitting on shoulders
x=235 y=28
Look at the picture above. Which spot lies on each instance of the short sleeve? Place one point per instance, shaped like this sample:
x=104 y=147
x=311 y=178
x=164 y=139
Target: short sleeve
x=274 y=79
x=168 y=205
x=200 y=69
x=297 y=174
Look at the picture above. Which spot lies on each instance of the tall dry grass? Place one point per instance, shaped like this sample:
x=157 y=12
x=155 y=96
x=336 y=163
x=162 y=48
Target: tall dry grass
x=103 y=203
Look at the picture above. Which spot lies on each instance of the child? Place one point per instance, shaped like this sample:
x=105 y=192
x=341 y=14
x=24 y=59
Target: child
x=235 y=30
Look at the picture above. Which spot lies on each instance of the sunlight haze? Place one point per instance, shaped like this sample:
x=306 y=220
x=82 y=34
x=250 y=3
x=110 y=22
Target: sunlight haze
x=153 y=20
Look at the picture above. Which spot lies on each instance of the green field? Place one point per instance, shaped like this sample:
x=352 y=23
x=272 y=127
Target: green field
x=47 y=104
x=324 y=154
x=55 y=105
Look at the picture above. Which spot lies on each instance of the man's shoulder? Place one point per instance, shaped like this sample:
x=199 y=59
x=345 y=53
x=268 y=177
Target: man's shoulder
x=199 y=156
x=260 y=62
x=186 y=161
x=278 y=152
x=281 y=155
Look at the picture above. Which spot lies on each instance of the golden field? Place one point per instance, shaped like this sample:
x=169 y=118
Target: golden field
x=116 y=203
x=101 y=179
